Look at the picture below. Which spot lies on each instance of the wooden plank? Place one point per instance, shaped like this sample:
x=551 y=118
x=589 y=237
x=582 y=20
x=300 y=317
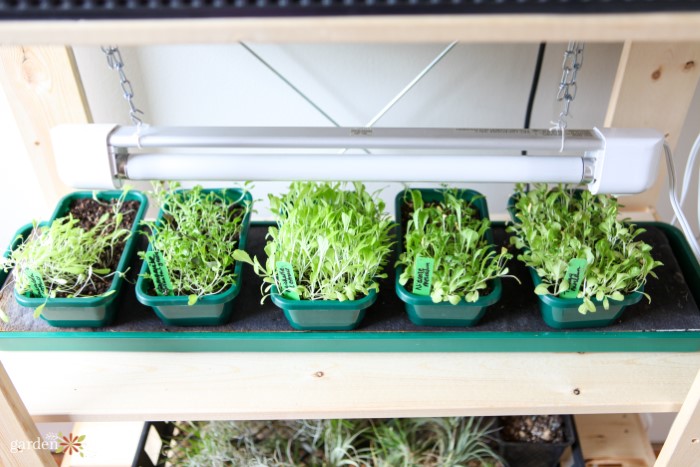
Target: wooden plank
x=409 y=28
x=44 y=89
x=682 y=445
x=18 y=430
x=104 y=386
x=614 y=440
x=653 y=88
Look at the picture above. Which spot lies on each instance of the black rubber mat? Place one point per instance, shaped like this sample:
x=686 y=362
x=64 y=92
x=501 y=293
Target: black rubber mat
x=673 y=307
x=140 y=9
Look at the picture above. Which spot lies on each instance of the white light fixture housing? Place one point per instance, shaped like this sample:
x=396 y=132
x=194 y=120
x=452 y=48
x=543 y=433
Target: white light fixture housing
x=608 y=160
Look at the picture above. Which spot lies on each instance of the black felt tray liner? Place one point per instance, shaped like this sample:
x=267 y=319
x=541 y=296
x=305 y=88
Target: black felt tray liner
x=672 y=309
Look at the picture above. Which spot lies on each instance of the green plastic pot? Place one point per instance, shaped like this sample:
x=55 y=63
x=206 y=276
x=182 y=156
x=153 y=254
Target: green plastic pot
x=210 y=310
x=420 y=309
x=323 y=315
x=562 y=313
x=87 y=311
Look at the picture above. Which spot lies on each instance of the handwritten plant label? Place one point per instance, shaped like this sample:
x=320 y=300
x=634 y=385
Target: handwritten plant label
x=159 y=273
x=285 y=277
x=423 y=275
x=574 y=276
x=36 y=283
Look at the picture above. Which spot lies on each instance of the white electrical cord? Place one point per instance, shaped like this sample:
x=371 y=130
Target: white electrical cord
x=688 y=174
x=676 y=205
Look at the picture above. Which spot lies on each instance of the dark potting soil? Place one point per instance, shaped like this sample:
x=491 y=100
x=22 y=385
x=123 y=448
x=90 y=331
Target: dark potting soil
x=88 y=212
x=533 y=429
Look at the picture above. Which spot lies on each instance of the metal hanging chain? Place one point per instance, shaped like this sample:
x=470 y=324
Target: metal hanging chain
x=115 y=62
x=568 y=85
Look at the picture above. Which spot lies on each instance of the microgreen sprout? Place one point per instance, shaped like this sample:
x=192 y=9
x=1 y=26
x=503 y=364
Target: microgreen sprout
x=338 y=241
x=555 y=225
x=71 y=260
x=452 y=233
x=197 y=235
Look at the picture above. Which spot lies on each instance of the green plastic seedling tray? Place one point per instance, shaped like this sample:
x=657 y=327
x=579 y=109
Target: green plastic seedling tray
x=87 y=311
x=323 y=315
x=562 y=313
x=670 y=323
x=210 y=310
x=420 y=309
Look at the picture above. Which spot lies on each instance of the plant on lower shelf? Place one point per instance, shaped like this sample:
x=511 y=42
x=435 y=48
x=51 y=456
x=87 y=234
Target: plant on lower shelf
x=77 y=255
x=577 y=246
x=535 y=440
x=330 y=244
x=452 y=234
x=191 y=243
x=409 y=442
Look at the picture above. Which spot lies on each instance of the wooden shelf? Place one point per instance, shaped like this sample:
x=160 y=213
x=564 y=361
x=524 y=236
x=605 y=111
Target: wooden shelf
x=44 y=89
x=96 y=386
x=655 y=27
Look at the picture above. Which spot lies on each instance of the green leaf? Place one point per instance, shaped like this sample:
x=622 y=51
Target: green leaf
x=3 y=316
x=39 y=309
x=243 y=256
x=542 y=289
x=192 y=299
x=617 y=296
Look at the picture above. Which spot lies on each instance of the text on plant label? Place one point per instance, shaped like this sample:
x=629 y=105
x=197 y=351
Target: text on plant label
x=285 y=277
x=574 y=276
x=36 y=283
x=423 y=275
x=159 y=273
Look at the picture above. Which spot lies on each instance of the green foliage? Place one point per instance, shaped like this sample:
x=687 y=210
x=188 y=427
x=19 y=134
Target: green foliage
x=68 y=258
x=451 y=233
x=555 y=225
x=434 y=442
x=337 y=241
x=197 y=236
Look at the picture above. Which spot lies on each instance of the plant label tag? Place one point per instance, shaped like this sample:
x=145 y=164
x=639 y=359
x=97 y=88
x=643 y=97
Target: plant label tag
x=285 y=277
x=423 y=275
x=159 y=273
x=574 y=276
x=36 y=283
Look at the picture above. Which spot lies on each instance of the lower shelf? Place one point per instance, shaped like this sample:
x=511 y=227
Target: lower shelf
x=670 y=323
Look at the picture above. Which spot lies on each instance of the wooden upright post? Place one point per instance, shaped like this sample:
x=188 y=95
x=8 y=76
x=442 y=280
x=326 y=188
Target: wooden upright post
x=17 y=430
x=682 y=445
x=653 y=88
x=44 y=89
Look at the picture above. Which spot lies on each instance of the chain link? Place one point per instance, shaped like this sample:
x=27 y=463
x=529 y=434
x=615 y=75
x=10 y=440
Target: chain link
x=115 y=62
x=568 y=85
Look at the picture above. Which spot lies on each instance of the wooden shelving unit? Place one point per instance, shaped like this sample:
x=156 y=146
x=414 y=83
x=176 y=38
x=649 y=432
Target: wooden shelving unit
x=44 y=89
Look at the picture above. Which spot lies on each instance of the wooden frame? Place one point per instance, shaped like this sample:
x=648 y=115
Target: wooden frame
x=683 y=26
x=118 y=386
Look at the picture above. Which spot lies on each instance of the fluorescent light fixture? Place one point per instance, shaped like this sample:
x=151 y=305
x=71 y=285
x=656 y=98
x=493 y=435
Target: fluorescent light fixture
x=609 y=160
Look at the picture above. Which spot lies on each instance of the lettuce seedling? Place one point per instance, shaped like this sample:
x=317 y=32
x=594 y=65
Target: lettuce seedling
x=197 y=236
x=558 y=224
x=337 y=241
x=68 y=258
x=454 y=236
